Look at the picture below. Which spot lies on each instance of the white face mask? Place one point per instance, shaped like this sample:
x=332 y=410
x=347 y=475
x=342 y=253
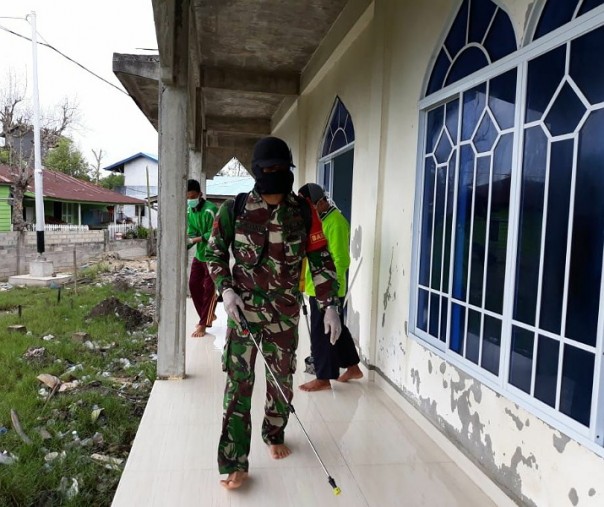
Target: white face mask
x=191 y=203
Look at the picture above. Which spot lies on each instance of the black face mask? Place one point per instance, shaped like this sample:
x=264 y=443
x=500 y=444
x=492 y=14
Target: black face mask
x=277 y=182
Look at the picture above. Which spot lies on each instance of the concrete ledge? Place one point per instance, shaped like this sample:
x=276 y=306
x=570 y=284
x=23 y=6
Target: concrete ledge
x=39 y=281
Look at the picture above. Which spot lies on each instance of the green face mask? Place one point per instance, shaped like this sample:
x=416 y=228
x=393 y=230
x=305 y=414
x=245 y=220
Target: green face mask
x=191 y=203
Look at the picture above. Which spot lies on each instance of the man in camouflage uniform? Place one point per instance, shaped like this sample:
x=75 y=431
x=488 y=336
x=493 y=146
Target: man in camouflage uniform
x=268 y=240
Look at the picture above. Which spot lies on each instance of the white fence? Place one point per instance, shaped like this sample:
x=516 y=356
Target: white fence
x=60 y=227
x=117 y=231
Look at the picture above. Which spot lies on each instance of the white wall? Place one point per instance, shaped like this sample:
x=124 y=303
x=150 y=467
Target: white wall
x=379 y=77
x=135 y=172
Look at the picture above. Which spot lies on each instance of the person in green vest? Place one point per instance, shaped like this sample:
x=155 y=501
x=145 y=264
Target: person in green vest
x=200 y=217
x=329 y=357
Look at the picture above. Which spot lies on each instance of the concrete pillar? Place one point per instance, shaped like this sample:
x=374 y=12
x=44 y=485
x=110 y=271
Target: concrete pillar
x=172 y=257
x=195 y=170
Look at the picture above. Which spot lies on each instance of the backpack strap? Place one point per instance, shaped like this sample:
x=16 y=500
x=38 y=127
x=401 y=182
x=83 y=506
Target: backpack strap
x=237 y=206
x=305 y=212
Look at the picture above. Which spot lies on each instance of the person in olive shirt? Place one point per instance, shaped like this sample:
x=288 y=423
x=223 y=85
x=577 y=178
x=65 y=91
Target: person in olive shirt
x=329 y=357
x=200 y=217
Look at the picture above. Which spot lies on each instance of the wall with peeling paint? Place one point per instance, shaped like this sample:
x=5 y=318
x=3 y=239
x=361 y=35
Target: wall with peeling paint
x=379 y=77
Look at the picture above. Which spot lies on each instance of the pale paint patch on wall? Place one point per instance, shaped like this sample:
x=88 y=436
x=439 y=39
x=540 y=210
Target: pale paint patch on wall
x=356 y=243
x=519 y=450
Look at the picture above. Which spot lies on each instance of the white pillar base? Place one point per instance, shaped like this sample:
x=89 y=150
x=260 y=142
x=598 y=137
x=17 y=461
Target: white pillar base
x=41 y=268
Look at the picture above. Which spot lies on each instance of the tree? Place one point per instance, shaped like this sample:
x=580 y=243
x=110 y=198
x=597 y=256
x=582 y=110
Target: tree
x=96 y=168
x=112 y=181
x=17 y=130
x=233 y=168
x=66 y=158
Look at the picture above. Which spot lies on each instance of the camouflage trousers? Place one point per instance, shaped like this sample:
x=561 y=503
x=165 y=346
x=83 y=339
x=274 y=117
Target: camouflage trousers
x=239 y=357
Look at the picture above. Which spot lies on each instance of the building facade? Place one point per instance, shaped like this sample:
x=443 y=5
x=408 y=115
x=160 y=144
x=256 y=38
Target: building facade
x=463 y=140
x=477 y=181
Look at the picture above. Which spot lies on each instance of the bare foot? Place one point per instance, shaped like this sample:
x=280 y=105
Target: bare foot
x=316 y=385
x=234 y=480
x=199 y=331
x=352 y=373
x=279 y=451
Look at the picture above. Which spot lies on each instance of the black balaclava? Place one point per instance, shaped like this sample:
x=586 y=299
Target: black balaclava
x=277 y=182
x=269 y=152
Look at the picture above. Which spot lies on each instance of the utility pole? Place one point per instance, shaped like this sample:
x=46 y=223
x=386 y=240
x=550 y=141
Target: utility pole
x=38 y=178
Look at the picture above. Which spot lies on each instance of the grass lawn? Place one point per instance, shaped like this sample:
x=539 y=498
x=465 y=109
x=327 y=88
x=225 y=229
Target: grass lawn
x=106 y=376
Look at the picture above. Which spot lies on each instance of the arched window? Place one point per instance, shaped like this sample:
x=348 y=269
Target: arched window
x=340 y=130
x=509 y=253
x=481 y=34
x=556 y=14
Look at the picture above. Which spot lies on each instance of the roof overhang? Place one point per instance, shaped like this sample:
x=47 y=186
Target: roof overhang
x=242 y=62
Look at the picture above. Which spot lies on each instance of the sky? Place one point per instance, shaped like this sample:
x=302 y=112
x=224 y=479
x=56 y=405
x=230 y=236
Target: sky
x=88 y=32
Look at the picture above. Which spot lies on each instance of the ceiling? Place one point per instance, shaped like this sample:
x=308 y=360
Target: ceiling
x=241 y=62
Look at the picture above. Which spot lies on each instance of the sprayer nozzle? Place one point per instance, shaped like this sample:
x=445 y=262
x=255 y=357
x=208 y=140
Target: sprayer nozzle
x=332 y=483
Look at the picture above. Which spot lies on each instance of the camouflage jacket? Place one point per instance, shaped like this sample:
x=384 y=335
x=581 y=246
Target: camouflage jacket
x=268 y=244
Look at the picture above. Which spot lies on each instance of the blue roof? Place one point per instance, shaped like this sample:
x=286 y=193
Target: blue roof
x=229 y=185
x=121 y=163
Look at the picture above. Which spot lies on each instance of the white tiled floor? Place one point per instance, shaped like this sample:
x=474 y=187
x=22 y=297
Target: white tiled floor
x=376 y=453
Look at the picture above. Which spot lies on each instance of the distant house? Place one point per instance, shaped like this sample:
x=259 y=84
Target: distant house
x=135 y=170
x=5 y=204
x=67 y=200
x=221 y=188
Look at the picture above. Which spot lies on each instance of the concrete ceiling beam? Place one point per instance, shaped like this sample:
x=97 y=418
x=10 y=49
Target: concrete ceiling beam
x=137 y=65
x=172 y=30
x=254 y=81
x=233 y=125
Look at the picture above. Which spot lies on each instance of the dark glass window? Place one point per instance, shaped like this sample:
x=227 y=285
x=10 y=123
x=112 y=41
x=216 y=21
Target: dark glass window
x=443 y=319
x=422 y=310
x=427 y=213
x=479 y=250
x=468 y=62
x=474 y=102
x=588 y=5
x=340 y=131
x=491 y=344
x=434 y=315
x=521 y=360
x=472 y=142
x=481 y=34
x=586 y=67
x=473 y=337
x=546 y=375
x=498 y=227
x=464 y=217
x=544 y=76
x=531 y=218
x=559 y=12
x=439 y=227
x=577 y=384
x=458 y=324
x=587 y=234
x=502 y=99
x=554 y=15
x=556 y=235
x=565 y=113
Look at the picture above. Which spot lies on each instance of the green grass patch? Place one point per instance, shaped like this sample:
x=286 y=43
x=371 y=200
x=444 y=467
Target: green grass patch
x=114 y=371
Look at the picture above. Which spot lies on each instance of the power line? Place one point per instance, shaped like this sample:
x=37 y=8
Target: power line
x=67 y=58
